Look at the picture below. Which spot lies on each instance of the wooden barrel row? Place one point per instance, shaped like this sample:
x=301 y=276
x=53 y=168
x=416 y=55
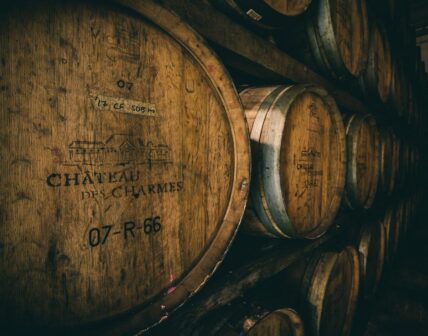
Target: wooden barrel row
x=125 y=161
x=362 y=141
x=339 y=39
x=127 y=168
x=298 y=150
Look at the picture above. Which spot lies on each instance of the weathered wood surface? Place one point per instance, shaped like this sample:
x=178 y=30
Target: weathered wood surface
x=330 y=291
x=376 y=80
x=298 y=150
x=362 y=140
x=338 y=35
x=125 y=160
x=249 y=52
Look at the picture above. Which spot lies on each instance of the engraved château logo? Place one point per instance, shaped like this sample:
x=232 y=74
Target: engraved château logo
x=117 y=150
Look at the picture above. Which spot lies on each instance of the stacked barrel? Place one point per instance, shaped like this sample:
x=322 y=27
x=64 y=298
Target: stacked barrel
x=127 y=153
x=293 y=192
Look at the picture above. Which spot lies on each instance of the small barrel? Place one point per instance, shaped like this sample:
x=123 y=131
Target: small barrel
x=376 y=80
x=362 y=174
x=298 y=149
x=371 y=248
x=267 y=14
x=331 y=288
x=126 y=162
x=387 y=161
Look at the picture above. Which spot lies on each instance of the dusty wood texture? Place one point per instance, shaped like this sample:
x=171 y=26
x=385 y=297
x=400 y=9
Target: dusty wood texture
x=362 y=174
x=331 y=286
x=254 y=320
x=252 y=54
x=376 y=80
x=371 y=250
x=337 y=32
x=125 y=160
x=387 y=161
x=267 y=14
x=298 y=148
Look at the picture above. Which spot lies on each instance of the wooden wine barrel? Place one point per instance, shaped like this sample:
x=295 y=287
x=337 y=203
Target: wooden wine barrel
x=125 y=162
x=392 y=234
x=331 y=285
x=298 y=149
x=387 y=161
x=337 y=33
x=371 y=248
x=362 y=174
x=267 y=14
x=376 y=80
x=280 y=322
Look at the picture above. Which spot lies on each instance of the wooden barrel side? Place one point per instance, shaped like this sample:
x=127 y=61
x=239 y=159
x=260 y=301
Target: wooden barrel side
x=341 y=36
x=330 y=295
x=293 y=163
x=362 y=173
x=377 y=77
x=371 y=248
x=123 y=201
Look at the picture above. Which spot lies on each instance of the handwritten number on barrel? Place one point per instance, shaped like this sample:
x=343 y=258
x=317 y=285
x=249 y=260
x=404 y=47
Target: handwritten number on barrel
x=124 y=85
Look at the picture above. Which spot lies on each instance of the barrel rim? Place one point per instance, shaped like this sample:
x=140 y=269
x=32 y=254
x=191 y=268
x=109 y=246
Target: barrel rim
x=267 y=193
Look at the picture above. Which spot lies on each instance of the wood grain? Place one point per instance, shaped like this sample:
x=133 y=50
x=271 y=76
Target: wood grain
x=298 y=151
x=331 y=285
x=125 y=156
x=338 y=36
x=377 y=77
x=362 y=140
